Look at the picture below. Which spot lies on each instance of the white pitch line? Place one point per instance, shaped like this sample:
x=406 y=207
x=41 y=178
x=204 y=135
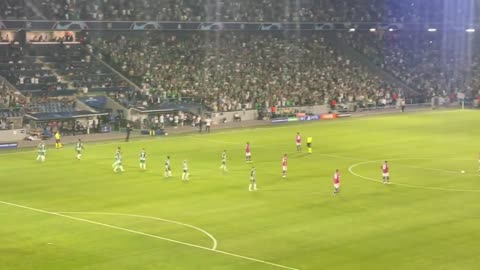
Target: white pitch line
x=149 y=235
x=350 y=169
x=150 y=217
x=429 y=169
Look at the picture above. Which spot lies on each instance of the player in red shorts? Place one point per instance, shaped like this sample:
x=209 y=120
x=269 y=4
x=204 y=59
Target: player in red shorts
x=284 y=165
x=298 y=142
x=336 y=182
x=385 y=172
x=248 y=153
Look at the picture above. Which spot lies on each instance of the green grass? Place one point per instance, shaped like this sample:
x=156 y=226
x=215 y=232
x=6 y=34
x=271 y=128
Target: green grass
x=295 y=222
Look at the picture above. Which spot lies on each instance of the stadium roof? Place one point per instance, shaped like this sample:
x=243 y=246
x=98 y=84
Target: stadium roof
x=62 y=115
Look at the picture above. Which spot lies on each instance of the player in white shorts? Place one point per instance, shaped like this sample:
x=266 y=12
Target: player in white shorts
x=185 y=173
x=248 y=153
x=223 y=166
x=336 y=182
x=253 y=181
x=385 y=172
x=298 y=142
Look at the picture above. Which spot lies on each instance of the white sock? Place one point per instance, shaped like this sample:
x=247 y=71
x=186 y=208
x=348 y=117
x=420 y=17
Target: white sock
x=254 y=186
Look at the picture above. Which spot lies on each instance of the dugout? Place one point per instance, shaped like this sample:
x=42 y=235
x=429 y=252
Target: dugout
x=68 y=123
x=147 y=118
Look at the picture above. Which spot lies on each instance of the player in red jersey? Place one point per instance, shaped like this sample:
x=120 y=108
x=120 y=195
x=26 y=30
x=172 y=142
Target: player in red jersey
x=284 y=165
x=385 y=172
x=298 y=142
x=336 y=182
x=248 y=153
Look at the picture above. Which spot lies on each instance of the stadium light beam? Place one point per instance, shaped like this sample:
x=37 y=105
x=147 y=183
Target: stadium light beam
x=470 y=30
x=351 y=30
x=373 y=30
x=432 y=29
x=391 y=29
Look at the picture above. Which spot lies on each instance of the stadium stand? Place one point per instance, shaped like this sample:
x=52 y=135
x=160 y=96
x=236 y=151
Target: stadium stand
x=47 y=80
x=233 y=10
x=14 y=9
x=227 y=71
x=428 y=62
x=231 y=71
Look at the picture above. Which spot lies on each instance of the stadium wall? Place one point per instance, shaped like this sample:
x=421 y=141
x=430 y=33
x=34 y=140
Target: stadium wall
x=12 y=135
x=316 y=109
x=245 y=115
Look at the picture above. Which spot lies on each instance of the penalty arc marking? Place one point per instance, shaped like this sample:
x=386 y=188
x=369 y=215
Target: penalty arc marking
x=350 y=169
x=214 y=247
x=149 y=235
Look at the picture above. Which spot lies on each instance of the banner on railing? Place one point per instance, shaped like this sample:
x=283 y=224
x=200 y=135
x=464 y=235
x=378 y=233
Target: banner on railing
x=299 y=117
x=309 y=118
x=36 y=25
x=328 y=116
x=8 y=145
x=280 y=120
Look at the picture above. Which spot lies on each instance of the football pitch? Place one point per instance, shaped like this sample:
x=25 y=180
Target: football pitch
x=71 y=214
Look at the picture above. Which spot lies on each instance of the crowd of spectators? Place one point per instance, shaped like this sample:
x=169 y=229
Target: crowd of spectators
x=32 y=86
x=14 y=9
x=6 y=97
x=11 y=105
x=10 y=99
x=232 y=71
x=45 y=104
x=430 y=62
x=240 y=10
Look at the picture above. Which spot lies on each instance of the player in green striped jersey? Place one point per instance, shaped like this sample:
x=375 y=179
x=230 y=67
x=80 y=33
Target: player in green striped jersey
x=143 y=159
x=79 y=149
x=168 y=169
x=185 y=173
x=117 y=165
x=223 y=166
x=253 y=180
x=42 y=152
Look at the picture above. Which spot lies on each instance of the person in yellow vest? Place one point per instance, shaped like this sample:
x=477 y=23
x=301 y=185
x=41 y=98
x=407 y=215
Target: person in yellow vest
x=309 y=144
x=58 y=144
